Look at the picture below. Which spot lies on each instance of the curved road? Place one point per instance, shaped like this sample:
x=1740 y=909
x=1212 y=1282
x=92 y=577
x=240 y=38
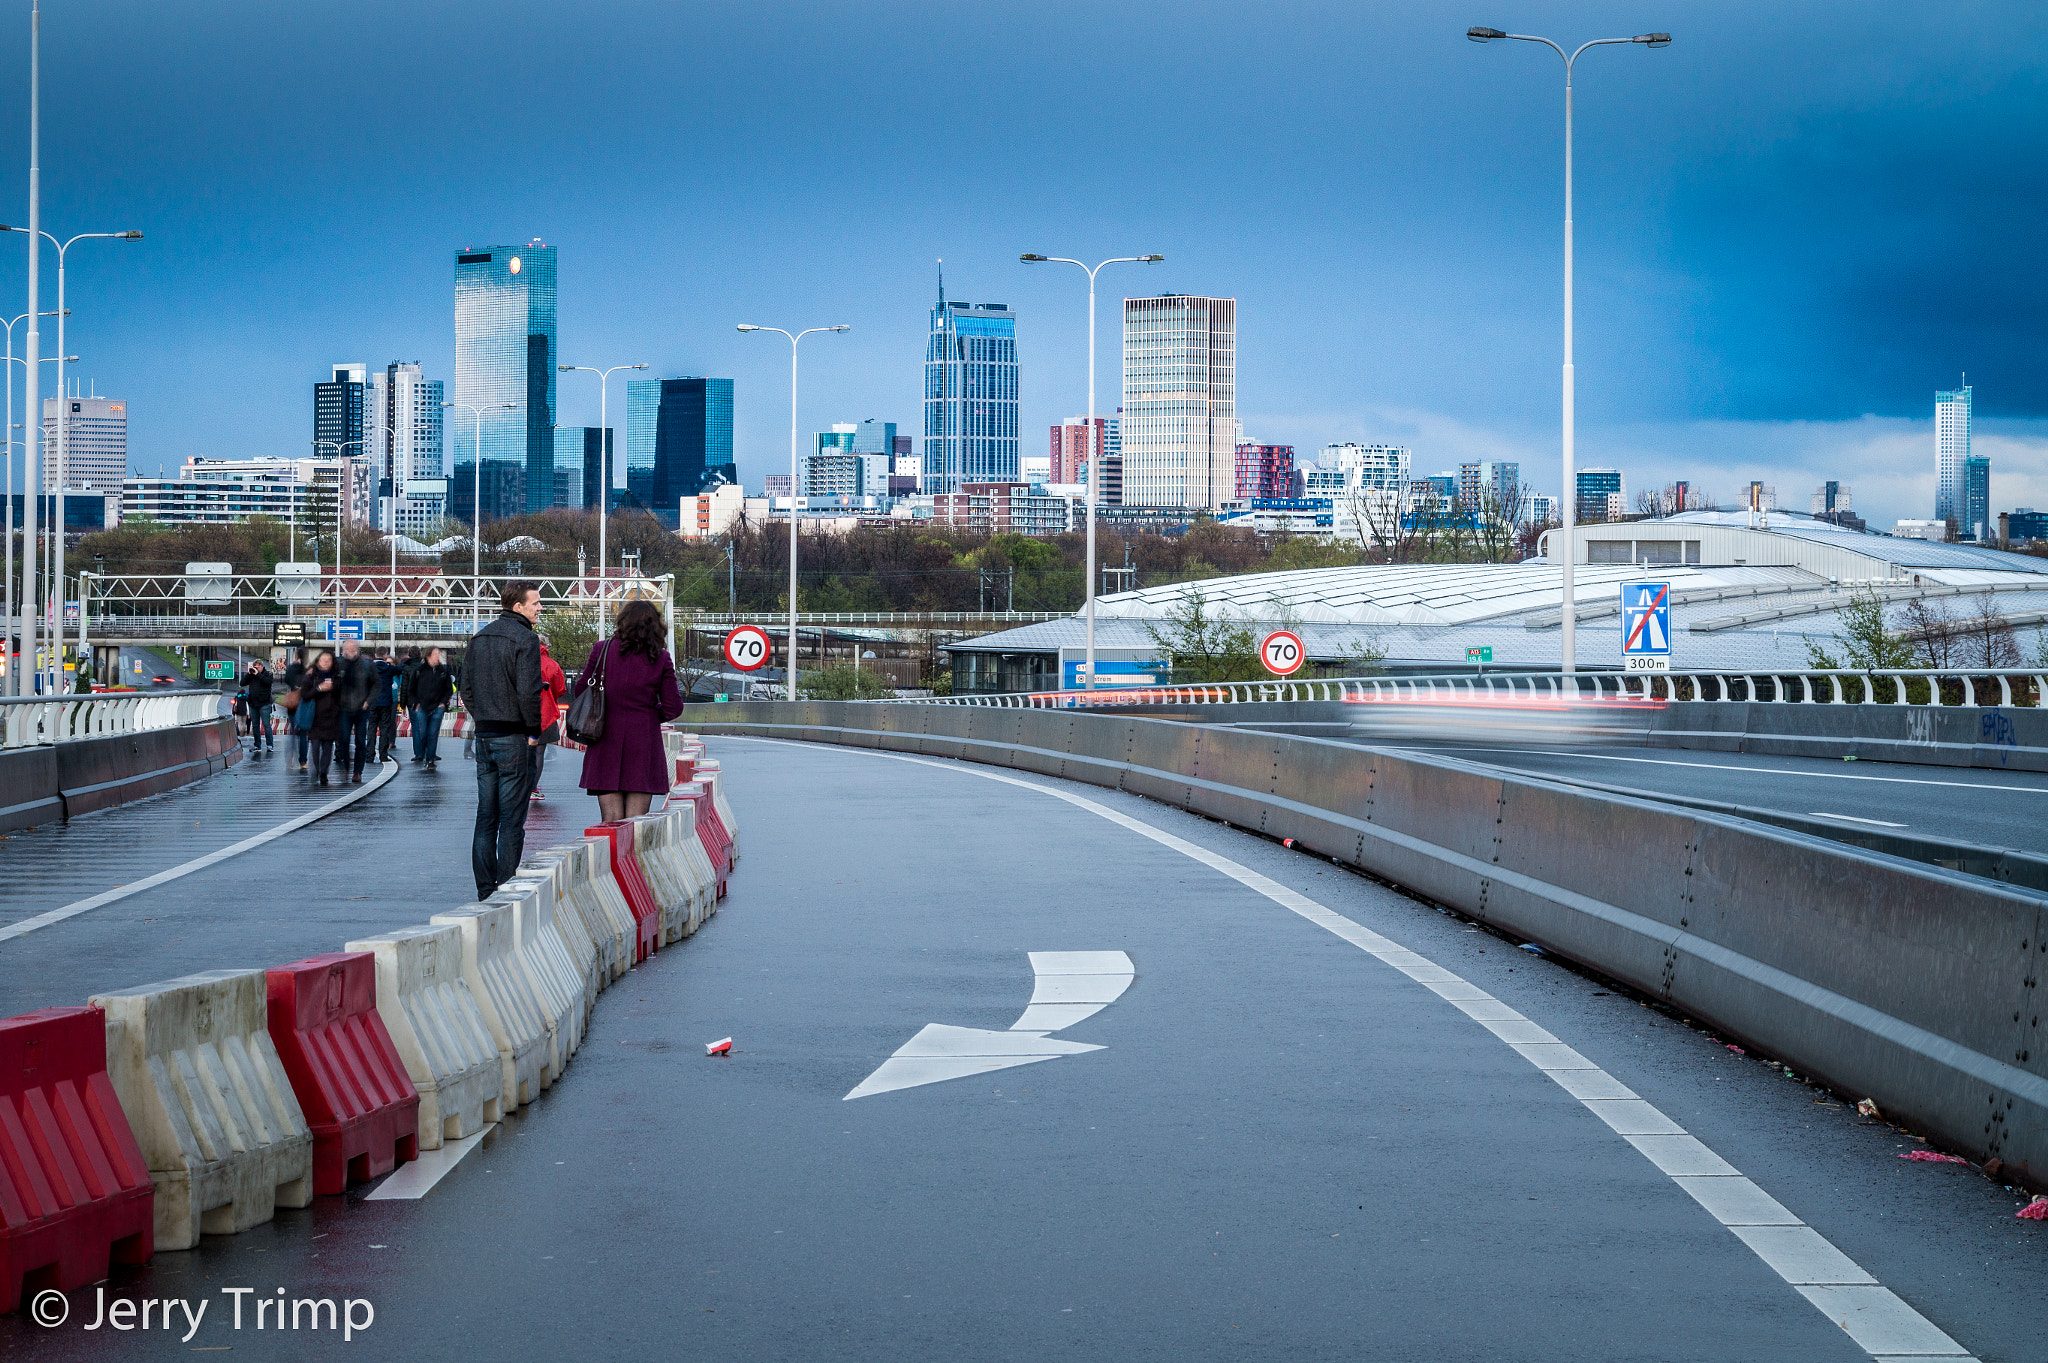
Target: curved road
x=1314 y=1124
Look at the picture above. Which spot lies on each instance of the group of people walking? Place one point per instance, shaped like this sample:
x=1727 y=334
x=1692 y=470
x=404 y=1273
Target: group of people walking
x=343 y=708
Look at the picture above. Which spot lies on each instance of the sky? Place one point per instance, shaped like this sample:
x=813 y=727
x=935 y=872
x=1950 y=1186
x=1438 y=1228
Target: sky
x=1794 y=224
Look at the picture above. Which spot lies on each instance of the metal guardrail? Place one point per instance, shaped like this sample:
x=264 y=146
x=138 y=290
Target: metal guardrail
x=897 y=619
x=33 y=721
x=1893 y=686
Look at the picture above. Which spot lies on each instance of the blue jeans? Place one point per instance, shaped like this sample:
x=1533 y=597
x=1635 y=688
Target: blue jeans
x=259 y=725
x=426 y=733
x=504 y=779
x=354 y=745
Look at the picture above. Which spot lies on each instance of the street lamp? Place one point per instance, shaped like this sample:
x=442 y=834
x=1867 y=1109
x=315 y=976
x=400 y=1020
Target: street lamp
x=340 y=512
x=749 y=326
x=604 y=461
x=13 y=684
x=476 y=513
x=1094 y=459
x=1569 y=510
x=57 y=469
x=33 y=587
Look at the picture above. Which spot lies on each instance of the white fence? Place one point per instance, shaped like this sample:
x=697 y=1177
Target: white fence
x=1901 y=686
x=32 y=721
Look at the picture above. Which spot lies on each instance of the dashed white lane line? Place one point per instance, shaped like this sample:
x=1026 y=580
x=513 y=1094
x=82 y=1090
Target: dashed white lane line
x=1873 y=1315
x=1851 y=818
x=416 y=1177
x=119 y=892
x=1720 y=766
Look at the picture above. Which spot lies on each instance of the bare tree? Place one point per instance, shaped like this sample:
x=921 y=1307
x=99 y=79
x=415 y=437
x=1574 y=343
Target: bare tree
x=1498 y=520
x=1651 y=503
x=1935 y=633
x=1386 y=520
x=1988 y=639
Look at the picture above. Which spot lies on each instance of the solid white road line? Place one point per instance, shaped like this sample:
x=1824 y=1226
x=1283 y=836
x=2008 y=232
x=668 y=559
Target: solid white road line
x=1877 y=1319
x=416 y=1178
x=1851 y=818
x=43 y=920
x=1721 y=766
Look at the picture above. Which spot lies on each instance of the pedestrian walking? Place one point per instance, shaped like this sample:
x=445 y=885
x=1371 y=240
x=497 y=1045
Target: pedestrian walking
x=501 y=688
x=258 y=685
x=627 y=767
x=384 y=706
x=322 y=688
x=302 y=702
x=553 y=686
x=356 y=680
x=431 y=688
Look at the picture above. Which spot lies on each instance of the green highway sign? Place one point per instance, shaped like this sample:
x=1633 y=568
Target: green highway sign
x=1479 y=655
x=220 y=671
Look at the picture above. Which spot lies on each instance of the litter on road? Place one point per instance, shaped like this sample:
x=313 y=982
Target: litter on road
x=2037 y=1210
x=1933 y=1157
x=719 y=1047
x=1868 y=1107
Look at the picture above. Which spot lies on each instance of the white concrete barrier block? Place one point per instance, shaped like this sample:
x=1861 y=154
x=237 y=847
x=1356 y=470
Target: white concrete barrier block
x=576 y=891
x=613 y=899
x=498 y=986
x=439 y=1033
x=569 y=922
x=193 y=1065
x=546 y=977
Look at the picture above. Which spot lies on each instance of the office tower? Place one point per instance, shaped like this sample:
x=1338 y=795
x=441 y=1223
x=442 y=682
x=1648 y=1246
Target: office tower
x=505 y=352
x=1179 y=410
x=970 y=395
x=401 y=442
x=1265 y=471
x=1069 y=446
x=775 y=485
x=850 y=461
x=1976 y=505
x=95 y=443
x=1491 y=486
x=1600 y=495
x=1951 y=450
x=576 y=468
x=875 y=437
x=338 y=412
x=1759 y=496
x=678 y=434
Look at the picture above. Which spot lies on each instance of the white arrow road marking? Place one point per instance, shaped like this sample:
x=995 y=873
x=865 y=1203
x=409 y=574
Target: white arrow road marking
x=1071 y=985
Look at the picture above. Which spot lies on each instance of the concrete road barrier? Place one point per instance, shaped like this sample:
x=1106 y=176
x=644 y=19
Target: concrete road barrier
x=709 y=771
x=710 y=829
x=548 y=979
x=344 y=1070
x=553 y=867
x=633 y=885
x=212 y=1110
x=1906 y=983
x=703 y=876
x=510 y=1013
x=75 y=1191
x=610 y=935
x=670 y=885
x=604 y=888
x=439 y=1033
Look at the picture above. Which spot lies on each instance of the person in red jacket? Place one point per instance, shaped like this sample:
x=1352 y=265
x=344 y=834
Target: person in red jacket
x=553 y=685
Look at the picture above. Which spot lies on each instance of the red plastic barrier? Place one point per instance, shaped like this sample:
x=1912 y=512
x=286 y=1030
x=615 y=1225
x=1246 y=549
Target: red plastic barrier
x=349 y=1079
x=75 y=1194
x=686 y=767
x=626 y=871
x=710 y=829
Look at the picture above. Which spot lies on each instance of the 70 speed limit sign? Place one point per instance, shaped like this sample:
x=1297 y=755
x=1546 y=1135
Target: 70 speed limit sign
x=746 y=648
x=1282 y=653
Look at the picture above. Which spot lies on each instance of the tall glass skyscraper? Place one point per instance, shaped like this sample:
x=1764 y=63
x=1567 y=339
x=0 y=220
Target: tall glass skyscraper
x=970 y=395
x=1951 y=453
x=505 y=352
x=1179 y=418
x=678 y=433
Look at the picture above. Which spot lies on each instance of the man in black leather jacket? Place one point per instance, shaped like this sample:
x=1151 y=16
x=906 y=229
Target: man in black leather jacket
x=501 y=689
x=355 y=676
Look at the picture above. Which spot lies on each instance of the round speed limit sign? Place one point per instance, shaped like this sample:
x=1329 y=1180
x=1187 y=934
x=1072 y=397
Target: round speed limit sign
x=1282 y=653
x=746 y=648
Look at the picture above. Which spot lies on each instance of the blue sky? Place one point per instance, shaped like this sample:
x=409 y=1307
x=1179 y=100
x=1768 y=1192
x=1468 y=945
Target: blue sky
x=1794 y=224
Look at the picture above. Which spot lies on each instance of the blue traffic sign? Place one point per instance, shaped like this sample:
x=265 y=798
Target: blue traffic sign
x=345 y=629
x=1645 y=619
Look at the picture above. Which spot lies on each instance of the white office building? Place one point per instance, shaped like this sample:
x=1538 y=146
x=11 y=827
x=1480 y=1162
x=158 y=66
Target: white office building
x=402 y=446
x=298 y=491
x=1951 y=452
x=95 y=442
x=1179 y=423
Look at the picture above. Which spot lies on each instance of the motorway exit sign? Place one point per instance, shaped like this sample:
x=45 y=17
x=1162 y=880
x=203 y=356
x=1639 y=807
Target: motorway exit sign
x=1479 y=655
x=220 y=671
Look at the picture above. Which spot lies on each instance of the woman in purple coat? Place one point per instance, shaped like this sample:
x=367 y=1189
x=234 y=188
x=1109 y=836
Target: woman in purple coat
x=627 y=768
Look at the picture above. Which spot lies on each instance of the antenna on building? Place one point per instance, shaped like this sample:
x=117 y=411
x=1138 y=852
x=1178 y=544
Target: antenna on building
x=942 y=284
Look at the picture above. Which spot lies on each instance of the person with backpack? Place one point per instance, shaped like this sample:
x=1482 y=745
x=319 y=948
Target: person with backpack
x=301 y=702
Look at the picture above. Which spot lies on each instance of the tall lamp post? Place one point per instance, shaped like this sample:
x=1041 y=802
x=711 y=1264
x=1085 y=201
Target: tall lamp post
x=793 y=339
x=476 y=514
x=1094 y=459
x=604 y=461
x=13 y=684
x=340 y=510
x=1569 y=510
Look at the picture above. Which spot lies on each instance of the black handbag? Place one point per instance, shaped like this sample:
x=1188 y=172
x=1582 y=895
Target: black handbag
x=584 y=719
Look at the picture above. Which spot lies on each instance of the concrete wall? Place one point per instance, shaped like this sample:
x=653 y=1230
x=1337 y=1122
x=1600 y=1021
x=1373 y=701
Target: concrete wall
x=65 y=779
x=1910 y=984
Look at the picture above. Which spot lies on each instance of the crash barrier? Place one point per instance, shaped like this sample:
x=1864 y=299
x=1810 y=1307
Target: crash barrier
x=83 y=773
x=709 y=772
x=1911 y=985
x=433 y=1021
x=75 y=1194
x=29 y=721
x=200 y=1104
x=710 y=828
x=626 y=875
x=209 y=1101
x=509 y=1010
x=351 y=1084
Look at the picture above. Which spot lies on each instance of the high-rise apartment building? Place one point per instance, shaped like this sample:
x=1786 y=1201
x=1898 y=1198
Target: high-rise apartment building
x=1266 y=471
x=971 y=433
x=1070 y=448
x=1490 y=486
x=338 y=412
x=1351 y=467
x=505 y=353
x=851 y=461
x=1976 y=503
x=1951 y=450
x=678 y=434
x=95 y=443
x=1179 y=414
x=1600 y=495
x=401 y=442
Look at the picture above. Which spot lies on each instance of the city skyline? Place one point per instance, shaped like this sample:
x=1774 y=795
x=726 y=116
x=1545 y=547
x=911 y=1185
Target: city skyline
x=1718 y=340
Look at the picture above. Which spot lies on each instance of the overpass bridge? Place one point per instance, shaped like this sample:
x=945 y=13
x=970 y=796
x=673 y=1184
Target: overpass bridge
x=1102 y=1035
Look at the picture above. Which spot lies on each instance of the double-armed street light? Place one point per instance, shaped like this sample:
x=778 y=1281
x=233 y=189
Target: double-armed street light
x=476 y=513
x=1091 y=441
x=604 y=461
x=1568 y=509
x=793 y=485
